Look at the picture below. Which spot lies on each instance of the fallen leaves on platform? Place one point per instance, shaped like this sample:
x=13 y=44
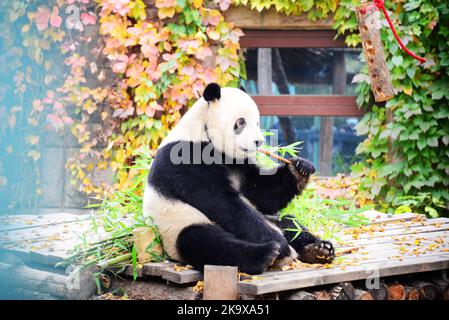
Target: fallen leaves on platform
x=179 y=268
x=199 y=287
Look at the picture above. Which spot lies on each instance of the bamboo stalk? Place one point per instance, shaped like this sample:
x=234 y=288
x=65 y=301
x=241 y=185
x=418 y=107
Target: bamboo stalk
x=80 y=254
x=275 y=156
x=107 y=263
x=97 y=246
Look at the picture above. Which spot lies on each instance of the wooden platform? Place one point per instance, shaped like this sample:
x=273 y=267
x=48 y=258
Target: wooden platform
x=390 y=245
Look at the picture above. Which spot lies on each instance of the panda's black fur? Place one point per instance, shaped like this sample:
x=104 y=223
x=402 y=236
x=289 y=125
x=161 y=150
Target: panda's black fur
x=239 y=234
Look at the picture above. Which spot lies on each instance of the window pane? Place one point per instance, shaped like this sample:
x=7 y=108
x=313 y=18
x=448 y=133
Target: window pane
x=305 y=71
x=310 y=130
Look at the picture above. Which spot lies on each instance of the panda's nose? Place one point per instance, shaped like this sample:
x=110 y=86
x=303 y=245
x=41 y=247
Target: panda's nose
x=258 y=143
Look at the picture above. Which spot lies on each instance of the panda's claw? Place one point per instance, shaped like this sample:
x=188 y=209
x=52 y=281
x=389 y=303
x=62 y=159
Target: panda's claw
x=318 y=252
x=303 y=166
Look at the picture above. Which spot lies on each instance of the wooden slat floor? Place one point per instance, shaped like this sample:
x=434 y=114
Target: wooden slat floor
x=389 y=245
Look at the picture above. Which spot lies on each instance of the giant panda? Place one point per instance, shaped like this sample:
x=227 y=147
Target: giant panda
x=211 y=202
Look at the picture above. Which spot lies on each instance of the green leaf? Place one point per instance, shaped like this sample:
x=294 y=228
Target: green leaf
x=306 y=4
x=181 y=3
x=431 y=211
x=422 y=143
x=432 y=142
x=134 y=261
x=397 y=60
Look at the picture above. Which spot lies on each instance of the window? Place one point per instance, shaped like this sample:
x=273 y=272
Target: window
x=301 y=81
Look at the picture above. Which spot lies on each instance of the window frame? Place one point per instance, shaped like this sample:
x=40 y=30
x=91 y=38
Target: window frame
x=300 y=105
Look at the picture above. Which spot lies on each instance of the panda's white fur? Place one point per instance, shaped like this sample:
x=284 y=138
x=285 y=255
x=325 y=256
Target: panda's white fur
x=171 y=217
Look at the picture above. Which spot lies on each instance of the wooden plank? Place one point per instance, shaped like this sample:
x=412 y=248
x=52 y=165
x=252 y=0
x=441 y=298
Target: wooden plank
x=308 y=105
x=395 y=232
x=47 y=239
x=378 y=227
x=291 y=39
x=396 y=217
x=220 y=283
x=20 y=223
x=379 y=240
x=151 y=269
x=382 y=227
x=156 y=268
x=244 y=17
x=379 y=254
x=321 y=277
x=183 y=276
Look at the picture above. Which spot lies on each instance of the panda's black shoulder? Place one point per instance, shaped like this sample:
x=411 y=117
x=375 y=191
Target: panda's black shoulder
x=170 y=177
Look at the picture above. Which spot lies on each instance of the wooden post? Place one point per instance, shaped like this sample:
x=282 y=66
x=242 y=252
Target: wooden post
x=264 y=71
x=327 y=123
x=220 y=283
x=325 y=145
x=143 y=238
x=369 y=26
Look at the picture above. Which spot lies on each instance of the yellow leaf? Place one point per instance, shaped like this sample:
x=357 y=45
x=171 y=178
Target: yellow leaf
x=213 y=35
x=197 y=3
x=408 y=91
x=166 y=12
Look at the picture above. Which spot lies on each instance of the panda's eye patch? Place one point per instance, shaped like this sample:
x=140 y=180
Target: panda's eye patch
x=239 y=125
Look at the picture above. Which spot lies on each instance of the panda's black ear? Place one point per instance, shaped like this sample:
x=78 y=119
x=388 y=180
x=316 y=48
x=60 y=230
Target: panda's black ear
x=212 y=92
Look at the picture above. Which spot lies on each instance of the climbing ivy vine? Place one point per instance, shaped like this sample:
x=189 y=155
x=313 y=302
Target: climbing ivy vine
x=407 y=147
x=135 y=65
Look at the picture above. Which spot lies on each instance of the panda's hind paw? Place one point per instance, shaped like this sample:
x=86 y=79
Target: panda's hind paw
x=318 y=252
x=260 y=258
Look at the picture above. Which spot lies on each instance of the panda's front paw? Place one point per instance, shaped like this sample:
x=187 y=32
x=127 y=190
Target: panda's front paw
x=318 y=252
x=303 y=166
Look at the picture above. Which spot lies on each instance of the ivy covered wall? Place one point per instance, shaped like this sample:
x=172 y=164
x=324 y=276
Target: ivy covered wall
x=133 y=66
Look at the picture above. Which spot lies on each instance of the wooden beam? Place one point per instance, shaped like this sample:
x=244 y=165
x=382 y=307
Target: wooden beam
x=21 y=276
x=308 y=105
x=291 y=39
x=244 y=17
x=220 y=283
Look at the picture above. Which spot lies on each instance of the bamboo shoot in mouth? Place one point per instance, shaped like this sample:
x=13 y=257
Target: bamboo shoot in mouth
x=274 y=155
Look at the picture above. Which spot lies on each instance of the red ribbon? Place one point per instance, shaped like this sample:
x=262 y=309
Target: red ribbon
x=380 y=5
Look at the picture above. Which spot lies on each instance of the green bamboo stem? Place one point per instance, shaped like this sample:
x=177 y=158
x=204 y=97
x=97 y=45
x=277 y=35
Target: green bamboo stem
x=107 y=263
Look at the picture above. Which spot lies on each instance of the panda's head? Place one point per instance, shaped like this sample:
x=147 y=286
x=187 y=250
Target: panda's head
x=232 y=121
